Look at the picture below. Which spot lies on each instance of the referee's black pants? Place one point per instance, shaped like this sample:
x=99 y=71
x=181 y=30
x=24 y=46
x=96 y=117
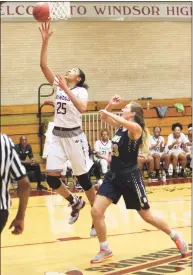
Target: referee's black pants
x=3 y=219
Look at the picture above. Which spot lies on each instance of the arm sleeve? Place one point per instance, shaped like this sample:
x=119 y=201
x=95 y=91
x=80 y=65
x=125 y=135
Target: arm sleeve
x=17 y=170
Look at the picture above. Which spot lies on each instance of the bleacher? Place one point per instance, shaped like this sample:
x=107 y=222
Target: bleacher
x=17 y=120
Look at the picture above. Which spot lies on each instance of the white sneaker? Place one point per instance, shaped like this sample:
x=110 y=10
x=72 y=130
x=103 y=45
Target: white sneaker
x=181 y=244
x=76 y=207
x=101 y=256
x=93 y=232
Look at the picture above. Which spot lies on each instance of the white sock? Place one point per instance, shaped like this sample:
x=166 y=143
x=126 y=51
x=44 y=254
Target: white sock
x=173 y=234
x=104 y=245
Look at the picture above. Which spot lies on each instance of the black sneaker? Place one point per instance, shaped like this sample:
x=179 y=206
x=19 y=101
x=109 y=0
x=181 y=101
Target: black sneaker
x=175 y=175
x=182 y=174
x=158 y=176
x=41 y=187
x=151 y=176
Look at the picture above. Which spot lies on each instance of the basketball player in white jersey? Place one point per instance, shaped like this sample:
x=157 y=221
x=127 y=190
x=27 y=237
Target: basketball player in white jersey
x=103 y=149
x=69 y=141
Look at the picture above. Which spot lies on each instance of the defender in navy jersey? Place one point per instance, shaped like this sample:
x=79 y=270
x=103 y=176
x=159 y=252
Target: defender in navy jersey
x=69 y=141
x=124 y=178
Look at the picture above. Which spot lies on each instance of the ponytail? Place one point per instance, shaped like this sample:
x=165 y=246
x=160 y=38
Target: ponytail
x=81 y=83
x=84 y=85
x=141 y=121
x=145 y=141
x=145 y=134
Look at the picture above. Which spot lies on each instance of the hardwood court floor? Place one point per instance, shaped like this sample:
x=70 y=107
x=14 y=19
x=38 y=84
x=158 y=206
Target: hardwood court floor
x=49 y=243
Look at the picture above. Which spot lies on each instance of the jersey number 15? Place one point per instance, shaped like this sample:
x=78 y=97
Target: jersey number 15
x=61 y=108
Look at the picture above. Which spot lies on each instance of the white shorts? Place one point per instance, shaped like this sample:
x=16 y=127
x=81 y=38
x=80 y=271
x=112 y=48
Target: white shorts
x=176 y=152
x=67 y=165
x=74 y=149
x=158 y=153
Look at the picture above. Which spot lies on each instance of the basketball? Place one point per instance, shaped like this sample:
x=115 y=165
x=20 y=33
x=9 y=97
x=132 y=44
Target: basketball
x=41 y=12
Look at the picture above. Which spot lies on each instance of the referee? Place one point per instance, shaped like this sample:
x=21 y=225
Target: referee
x=11 y=167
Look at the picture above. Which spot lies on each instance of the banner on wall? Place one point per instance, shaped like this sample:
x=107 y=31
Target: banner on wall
x=107 y=11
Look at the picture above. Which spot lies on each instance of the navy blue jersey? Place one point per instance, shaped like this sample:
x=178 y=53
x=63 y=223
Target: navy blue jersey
x=124 y=151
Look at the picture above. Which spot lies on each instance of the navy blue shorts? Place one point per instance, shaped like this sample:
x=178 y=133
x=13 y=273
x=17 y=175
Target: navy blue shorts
x=128 y=184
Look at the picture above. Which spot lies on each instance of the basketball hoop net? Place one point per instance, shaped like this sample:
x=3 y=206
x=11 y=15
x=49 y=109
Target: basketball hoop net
x=59 y=10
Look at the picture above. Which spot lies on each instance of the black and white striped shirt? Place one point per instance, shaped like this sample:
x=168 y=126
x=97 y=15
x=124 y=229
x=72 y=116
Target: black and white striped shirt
x=11 y=167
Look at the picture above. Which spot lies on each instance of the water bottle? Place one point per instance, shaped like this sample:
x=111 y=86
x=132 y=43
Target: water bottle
x=170 y=170
x=148 y=105
x=164 y=177
x=178 y=169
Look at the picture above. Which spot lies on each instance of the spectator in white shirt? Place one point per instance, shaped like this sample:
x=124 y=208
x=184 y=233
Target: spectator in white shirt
x=103 y=150
x=157 y=150
x=188 y=147
x=176 y=143
x=146 y=160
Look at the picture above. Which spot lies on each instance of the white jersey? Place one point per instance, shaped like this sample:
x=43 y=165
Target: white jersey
x=103 y=148
x=153 y=141
x=189 y=147
x=178 y=148
x=66 y=114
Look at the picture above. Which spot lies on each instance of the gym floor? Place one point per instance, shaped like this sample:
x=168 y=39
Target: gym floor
x=49 y=243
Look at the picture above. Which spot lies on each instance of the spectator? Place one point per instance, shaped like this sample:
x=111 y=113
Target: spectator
x=188 y=147
x=157 y=146
x=146 y=160
x=24 y=150
x=189 y=135
x=96 y=168
x=103 y=149
x=176 y=144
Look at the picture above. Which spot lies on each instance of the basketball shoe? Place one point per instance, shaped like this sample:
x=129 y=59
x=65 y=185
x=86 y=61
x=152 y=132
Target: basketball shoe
x=78 y=204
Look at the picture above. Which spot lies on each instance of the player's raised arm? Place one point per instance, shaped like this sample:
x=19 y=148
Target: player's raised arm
x=46 y=33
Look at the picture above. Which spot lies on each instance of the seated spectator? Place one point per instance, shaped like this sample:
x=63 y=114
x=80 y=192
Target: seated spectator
x=146 y=160
x=176 y=143
x=157 y=146
x=103 y=150
x=95 y=170
x=188 y=147
x=190 y=134
x=189 y=144
x=24 y=150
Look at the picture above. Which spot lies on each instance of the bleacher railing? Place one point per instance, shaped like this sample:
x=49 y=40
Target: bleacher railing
x=92 y=126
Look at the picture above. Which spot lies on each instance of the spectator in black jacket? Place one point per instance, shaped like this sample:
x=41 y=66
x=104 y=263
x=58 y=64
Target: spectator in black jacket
x=24 y=150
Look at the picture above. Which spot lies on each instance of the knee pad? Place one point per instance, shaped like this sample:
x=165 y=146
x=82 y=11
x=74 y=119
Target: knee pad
x=84 y=182
x=54 y=182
